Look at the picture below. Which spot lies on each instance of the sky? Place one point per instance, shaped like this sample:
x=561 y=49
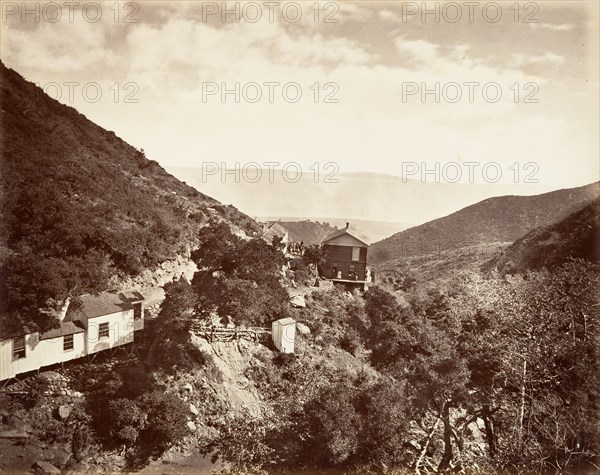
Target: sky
x=343 y=83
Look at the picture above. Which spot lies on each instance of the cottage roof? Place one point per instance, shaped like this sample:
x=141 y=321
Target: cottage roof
x=105 y=304
x=275 y=230
x=66 y=328
x=133 y=295
x=350 y=231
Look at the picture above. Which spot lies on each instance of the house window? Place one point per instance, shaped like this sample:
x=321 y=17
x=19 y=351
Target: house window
x=19 y=348
x=356 y=253
x=137 y=311
x=67 y=342
x=103 y=330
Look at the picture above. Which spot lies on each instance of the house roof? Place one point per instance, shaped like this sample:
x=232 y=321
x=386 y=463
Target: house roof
x=275 y=230
x=66 y=328
x=350 y=231
x=105 y=304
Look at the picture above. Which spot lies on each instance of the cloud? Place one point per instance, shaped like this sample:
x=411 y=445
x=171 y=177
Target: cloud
x=420 y=50
x=173 y=54
x=552 y=26
x=389 y=15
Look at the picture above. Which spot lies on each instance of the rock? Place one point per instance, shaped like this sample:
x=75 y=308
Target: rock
x=64 y=411
x=44 y=467
x=303 y=329
x=324 y=285
x=191 y=426
x=298 y=301
x=77 y=394
x=188 y=387
x=14 y=434
x=193 y=409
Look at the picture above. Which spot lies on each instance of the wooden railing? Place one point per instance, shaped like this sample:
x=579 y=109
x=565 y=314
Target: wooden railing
x=214 y=333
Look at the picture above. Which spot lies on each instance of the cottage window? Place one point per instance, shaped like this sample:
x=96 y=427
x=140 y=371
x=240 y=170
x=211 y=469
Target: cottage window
x=356 y=253
x=103 y=330
x=19 y=350
x=67 y=342
x=137 y=311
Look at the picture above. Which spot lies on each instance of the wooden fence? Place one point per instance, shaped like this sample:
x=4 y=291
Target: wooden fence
x=213 y=333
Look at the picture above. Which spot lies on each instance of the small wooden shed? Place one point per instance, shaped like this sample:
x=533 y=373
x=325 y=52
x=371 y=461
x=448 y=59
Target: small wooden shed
x=283 y=332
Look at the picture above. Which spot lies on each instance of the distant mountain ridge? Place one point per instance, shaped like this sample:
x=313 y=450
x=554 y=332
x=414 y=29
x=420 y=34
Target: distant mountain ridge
x=499 y=219
x=349 y=196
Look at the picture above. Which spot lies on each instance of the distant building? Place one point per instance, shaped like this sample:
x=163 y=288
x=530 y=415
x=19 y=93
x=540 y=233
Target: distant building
x=346 y=257
x=103 y=321
x=276 y=230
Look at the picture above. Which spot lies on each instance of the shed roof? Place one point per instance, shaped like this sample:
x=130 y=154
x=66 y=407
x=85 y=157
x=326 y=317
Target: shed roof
x=286 y=321
x=66 y=328
x=350 y=231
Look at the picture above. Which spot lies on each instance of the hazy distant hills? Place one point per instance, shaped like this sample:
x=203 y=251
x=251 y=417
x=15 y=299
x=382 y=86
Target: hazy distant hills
x=356 y=196
x=499 y=219
x=576 y=236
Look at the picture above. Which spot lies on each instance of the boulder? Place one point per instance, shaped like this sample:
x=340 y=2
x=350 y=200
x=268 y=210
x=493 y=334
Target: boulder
x=64 y=411
x=188 y=387
x=44 y=467
x=298 y=301
x=324 y=285
x=191 y=426
x=303 y=329
x=193 y=409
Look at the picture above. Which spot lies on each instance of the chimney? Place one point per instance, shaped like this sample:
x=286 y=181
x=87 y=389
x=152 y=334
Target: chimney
x=347 y=225
x=62 y=313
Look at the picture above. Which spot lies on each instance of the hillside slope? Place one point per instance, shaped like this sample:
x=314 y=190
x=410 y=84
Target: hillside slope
x=79 y=206
x=576 y=236
x=499 y=219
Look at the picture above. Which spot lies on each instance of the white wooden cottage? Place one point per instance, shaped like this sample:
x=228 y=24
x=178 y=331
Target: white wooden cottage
x=103 y=321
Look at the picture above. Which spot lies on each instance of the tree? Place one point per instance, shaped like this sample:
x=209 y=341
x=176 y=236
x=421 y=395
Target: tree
x=238 y=279
x=128 y=420
x=315 y=255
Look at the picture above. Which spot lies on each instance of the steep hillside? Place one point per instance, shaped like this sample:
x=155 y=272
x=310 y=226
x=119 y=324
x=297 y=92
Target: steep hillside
x=500 y=219
x=79 y=206
x=576 y=236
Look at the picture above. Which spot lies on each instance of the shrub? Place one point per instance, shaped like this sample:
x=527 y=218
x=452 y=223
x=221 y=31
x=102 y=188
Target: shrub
x=166 y=422
x=284 y=359
x=351 y=341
